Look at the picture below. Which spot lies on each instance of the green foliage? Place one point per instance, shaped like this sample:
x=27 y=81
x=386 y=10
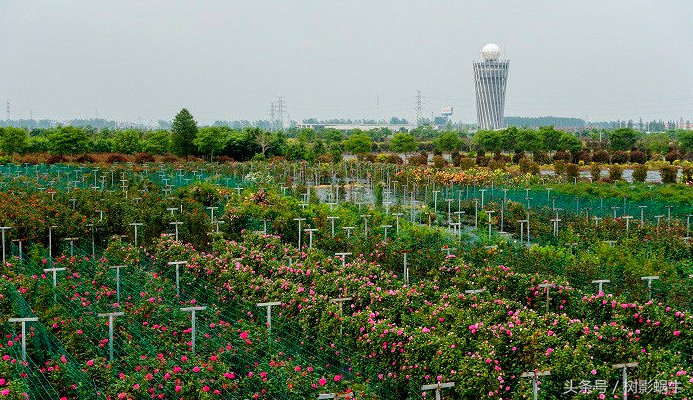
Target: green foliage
x=529 y=140
x=241 y=145
x=569 y=143
x=68 y=140
x=184 y=130
x=487 y=140
x=622 y=139
x=127 y=141
x=550 y=137
x=685 y=139
x=358 y=143
x=615 y=173
x=449 y=141
x=656 y=142
x=13 y=140
x=211 y=140
x=157 y=142
x=668 y=173
x=403 y=143
x=640 y=173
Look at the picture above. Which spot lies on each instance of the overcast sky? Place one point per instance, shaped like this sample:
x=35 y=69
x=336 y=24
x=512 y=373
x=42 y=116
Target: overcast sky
x=130 y=60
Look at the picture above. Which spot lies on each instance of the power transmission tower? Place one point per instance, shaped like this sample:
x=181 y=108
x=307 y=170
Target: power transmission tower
x=417 y=103
x=272 y=113
x=280 y=111
x=8 y=110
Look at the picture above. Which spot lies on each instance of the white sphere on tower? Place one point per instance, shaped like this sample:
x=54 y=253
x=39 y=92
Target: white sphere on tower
x=490 y=51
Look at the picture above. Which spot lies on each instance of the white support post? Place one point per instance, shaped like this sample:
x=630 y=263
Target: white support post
x=343 y=257
x=649 y=280
x=555 y=222
x=341 y=301
x=548 y=287
x=111 y=317
x=269 y=306
x=211 y=209
x=50 y=242
x=136 y=225
x=406 y=269
x=117 y=269
x=627 y=218
x=642 y=215
x=397 y=215
x=437 y=387
x=176 y=223
x=448 y=250
x=365 y=223
x=192 y=311
x=300 y=220
x=601 y=282
x=348 y=230
x=23 y=321
x=474 y=291
x=522 y=229
x=55 y=280
x=310 y=236
x=535 y=382
x=217 y=222
x=385 y=228
x=178 y=264
x=490 y=222
x=19 y=249
x=72 y=245
x=331 y=218
x=625 y=376
x=3 y=229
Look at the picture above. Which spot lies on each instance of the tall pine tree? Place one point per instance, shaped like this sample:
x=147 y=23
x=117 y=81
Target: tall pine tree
x=184 y=130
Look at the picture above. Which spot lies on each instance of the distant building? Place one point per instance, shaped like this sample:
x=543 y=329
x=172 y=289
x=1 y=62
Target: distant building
x=490 y=77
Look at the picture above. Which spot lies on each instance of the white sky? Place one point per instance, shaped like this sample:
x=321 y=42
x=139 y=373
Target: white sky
x=599 y=59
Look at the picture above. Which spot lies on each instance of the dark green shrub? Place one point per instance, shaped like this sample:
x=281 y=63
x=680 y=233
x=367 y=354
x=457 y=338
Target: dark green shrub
x=640 y=173
x=668 y=173
x=615 y=173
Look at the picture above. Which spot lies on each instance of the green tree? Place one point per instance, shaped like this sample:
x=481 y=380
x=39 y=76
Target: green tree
x=685 y=139
x=332 y=135
x=657 y=142
x=13 y=140
x=359 y=142
x=488 y=140
x=508 y=138
x=622 y=139
x=241 y=145
x=68 y=140
x=550 y=137
x=263 y=139
x=569 y=142
x=184 y=130
x=403 y=143
x=157 y=142
x=529 y=140
x=127 y=141
x=210 y=140
x=449 y=141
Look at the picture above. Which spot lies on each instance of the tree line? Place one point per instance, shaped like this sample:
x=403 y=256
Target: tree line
x=186 y=138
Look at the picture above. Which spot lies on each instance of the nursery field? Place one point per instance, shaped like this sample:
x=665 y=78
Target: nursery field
x=355 y=280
